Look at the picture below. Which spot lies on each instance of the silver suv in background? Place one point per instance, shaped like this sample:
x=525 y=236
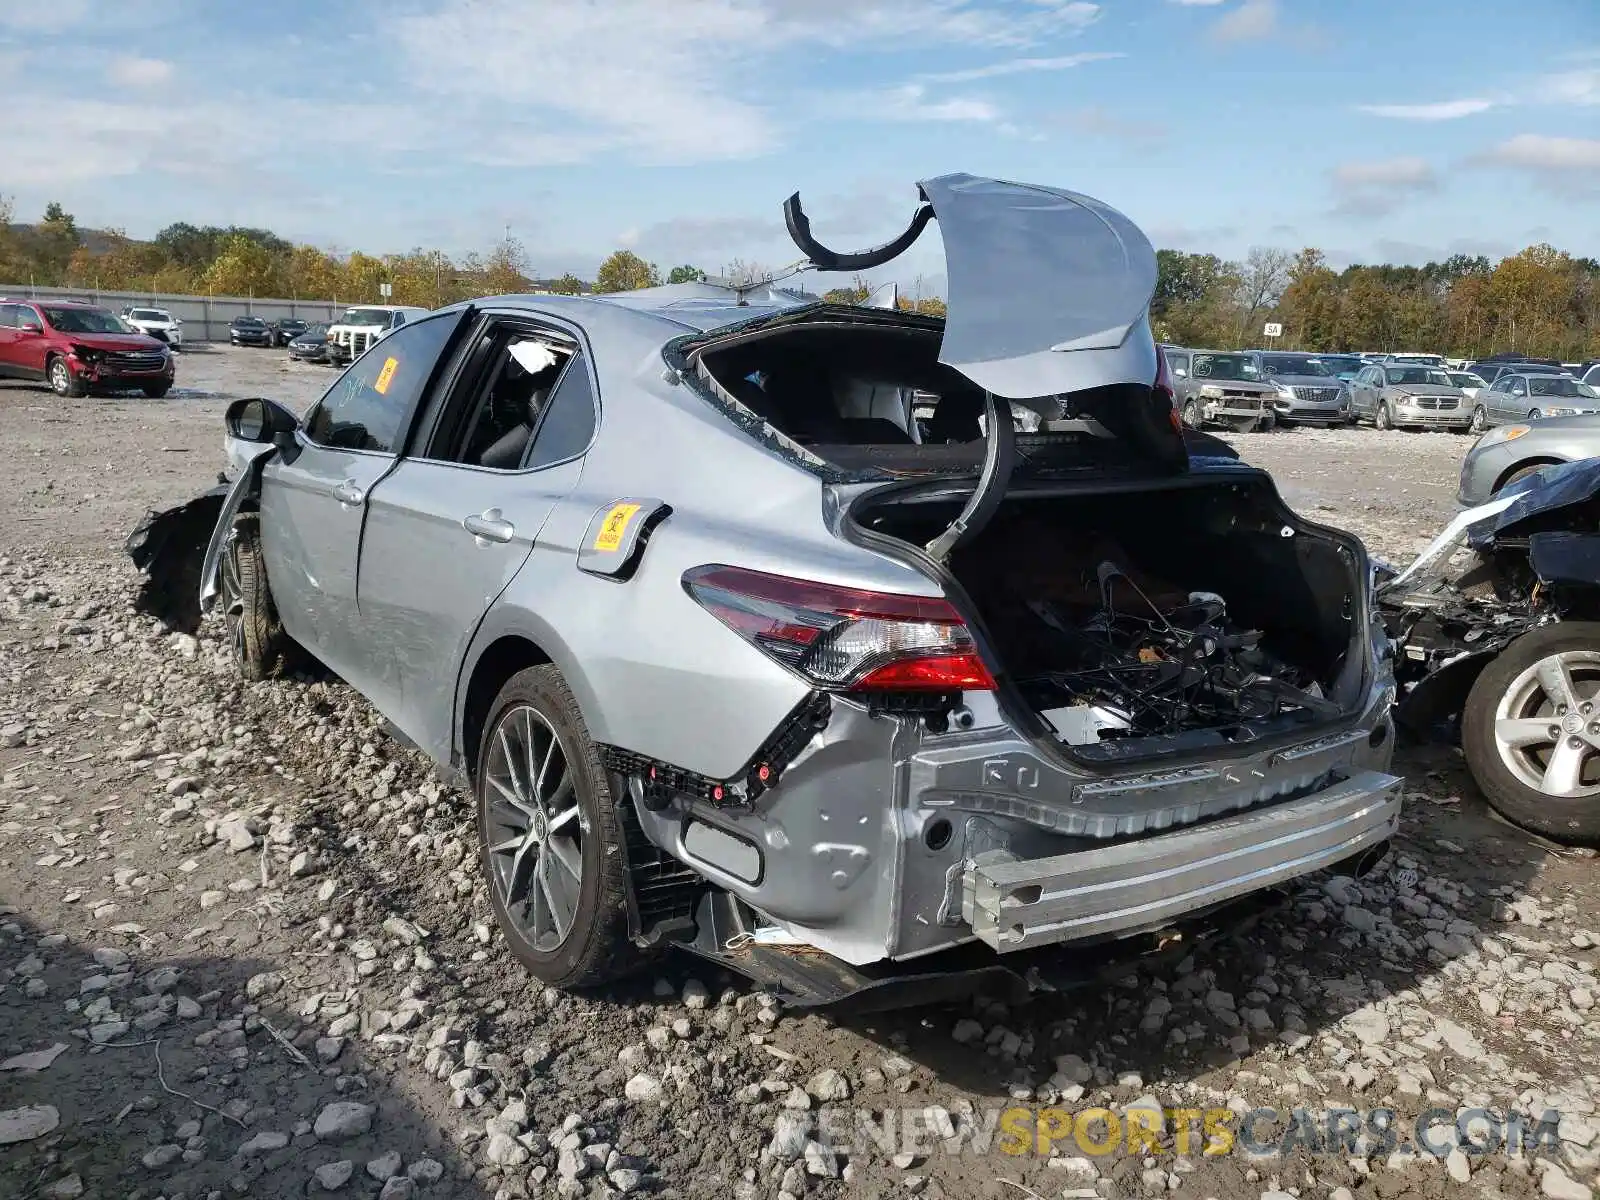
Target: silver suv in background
x=1216 y=387
x=1307 y=391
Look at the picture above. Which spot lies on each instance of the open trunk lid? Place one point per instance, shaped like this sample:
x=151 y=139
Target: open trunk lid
x=1048 y=290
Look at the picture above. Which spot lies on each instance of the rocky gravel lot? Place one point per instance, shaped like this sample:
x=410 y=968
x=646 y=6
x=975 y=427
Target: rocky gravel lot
x=244 y=949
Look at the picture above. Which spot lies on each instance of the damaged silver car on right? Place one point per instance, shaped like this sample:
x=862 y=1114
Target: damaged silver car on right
x=1497 y=625
x=738 y=653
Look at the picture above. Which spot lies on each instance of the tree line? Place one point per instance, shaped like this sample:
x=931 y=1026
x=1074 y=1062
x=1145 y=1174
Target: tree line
x=1541 y=301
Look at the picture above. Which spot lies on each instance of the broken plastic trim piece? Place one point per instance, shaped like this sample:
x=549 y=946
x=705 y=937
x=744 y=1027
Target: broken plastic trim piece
x=824 y=259
x=1000 y=452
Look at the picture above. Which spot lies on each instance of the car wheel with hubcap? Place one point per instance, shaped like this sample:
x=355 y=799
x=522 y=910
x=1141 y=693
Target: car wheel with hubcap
x=260 y=645
x=1531 y=731
x=1535 y=414
x=550 y=835
x=1191 y=414
x=1480 y=419
x=1382 y=420
x=63 y=381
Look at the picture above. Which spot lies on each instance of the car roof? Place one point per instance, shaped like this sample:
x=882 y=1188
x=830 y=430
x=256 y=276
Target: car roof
x=666 y=311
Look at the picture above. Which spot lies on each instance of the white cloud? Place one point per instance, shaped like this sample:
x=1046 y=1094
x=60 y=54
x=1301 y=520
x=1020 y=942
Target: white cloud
x=1251 y=21
x=910 y=102
x=133 y=72
x=1017 y=66
x=1550 y=155
x=1099 y=122
x=1570 y=87
x=51 y=17
x=1444 y=110
x=1391 y=172
x=1374 y=187
x=680 y=81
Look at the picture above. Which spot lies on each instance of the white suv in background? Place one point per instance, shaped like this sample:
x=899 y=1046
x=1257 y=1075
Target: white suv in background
x=157 y=322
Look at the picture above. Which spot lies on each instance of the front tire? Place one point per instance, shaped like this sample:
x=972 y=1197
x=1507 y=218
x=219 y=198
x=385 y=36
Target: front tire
x=1535 y=414
x=63 y=380
x=1191 y=414
x=550 y=836
x=1382 y=420
x=157 y=390
x=1531 y=731
x=261 y=648
x=1480 y=420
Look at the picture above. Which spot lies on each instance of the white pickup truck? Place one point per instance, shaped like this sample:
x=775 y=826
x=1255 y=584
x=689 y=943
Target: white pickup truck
x=352 y=334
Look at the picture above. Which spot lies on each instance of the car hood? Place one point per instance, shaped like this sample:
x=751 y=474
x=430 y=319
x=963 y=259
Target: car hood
x=1312 y=381
x=1234 y=385
x=1422 y=389
x=1048 y=291
x=115 y=341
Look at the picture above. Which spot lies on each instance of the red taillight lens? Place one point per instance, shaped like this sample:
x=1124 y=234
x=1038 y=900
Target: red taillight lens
x=845 y=639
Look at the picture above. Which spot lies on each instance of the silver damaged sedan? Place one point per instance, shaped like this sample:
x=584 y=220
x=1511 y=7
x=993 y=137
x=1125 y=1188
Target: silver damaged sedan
x=871 y=655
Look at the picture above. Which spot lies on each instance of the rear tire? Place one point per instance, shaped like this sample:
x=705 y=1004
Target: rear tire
x=559 y=821
x=261 y=648
x=1511 y=689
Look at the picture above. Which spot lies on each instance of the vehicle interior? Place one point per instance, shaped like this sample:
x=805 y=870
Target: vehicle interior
x=514 y=372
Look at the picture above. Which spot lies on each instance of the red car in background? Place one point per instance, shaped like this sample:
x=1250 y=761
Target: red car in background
x=77 y=347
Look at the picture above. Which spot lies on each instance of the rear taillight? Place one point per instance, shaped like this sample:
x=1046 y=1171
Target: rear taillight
x=1164 y=389
x=845 y=639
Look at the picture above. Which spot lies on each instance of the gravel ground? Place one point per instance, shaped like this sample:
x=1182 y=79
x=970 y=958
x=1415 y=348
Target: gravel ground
x=247 y=933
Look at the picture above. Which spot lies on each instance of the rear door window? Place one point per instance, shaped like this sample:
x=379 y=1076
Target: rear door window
x=370 y=406
x=8 y=316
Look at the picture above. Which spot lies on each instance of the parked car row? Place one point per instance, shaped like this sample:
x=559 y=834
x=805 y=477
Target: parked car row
x=1247 y=390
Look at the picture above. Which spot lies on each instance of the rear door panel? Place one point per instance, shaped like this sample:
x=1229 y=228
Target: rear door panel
x=426 y=581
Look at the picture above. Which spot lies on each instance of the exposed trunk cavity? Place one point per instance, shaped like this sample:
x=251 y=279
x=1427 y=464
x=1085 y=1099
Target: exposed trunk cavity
x=1158 y=620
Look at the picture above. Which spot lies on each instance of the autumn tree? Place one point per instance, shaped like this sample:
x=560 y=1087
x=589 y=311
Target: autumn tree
x=686 y=274
x=1309 y=305
x=625 y=271
x=1261 y=279
x=506 y=269
x=243 y=268
x=568 y=285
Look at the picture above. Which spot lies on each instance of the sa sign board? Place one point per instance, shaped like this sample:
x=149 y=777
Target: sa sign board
x=1272 y=329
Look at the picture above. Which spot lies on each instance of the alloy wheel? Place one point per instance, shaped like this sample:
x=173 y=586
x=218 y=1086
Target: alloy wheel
x=60 y=377
x=233 y=597
x=1191 y=415
x=536 y=827
x=1547 y=725
x=1480 y=420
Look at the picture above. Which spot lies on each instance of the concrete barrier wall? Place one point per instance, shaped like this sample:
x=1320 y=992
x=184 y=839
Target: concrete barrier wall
x=205 y=318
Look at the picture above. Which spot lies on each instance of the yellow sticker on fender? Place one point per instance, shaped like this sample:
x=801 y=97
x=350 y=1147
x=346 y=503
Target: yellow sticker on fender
x=614 y=526
x=385 y=376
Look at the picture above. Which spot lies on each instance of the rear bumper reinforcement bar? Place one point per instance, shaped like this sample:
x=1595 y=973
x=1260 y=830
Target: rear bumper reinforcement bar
x=1141 y=884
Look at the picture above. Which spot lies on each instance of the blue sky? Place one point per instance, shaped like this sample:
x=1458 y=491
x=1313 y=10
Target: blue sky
x=1395 y=130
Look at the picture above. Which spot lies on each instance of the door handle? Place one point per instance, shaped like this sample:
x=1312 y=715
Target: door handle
x=489 y=525
x=348 y=493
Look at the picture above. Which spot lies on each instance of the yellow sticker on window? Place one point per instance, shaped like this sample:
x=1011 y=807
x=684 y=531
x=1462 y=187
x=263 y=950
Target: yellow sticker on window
x=385 y=376
x=614 y=526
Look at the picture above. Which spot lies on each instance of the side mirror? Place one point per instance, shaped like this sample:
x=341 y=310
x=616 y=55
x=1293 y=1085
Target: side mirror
x=1180 y=372
x=261 y=421
x=30 y=327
